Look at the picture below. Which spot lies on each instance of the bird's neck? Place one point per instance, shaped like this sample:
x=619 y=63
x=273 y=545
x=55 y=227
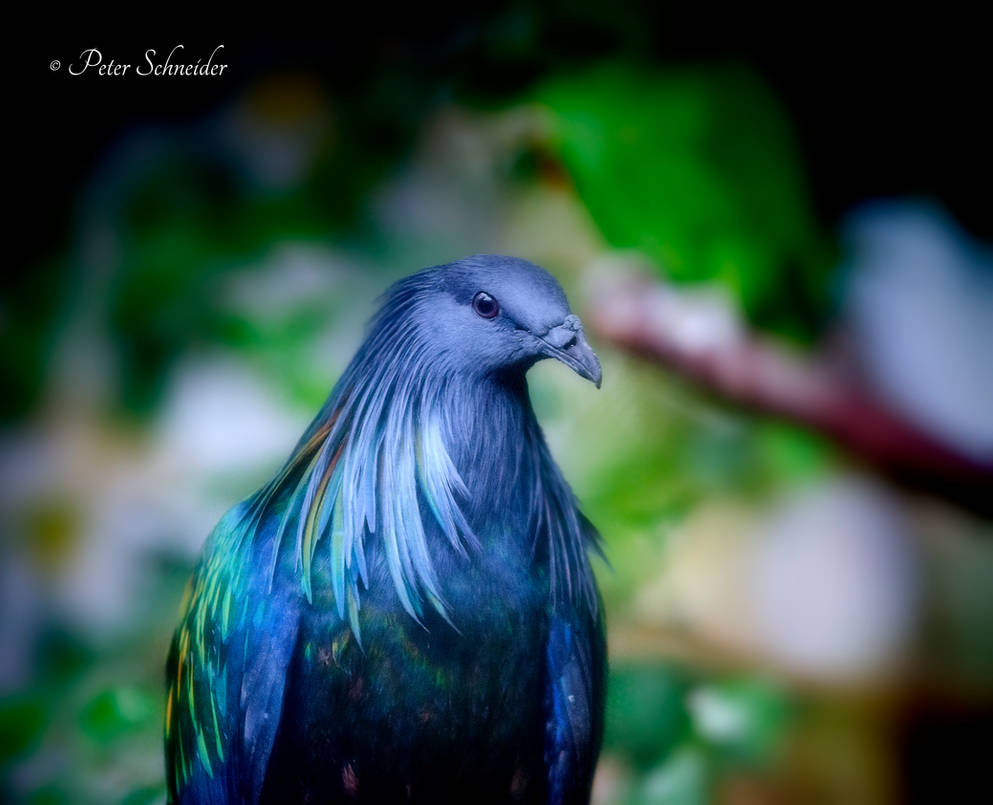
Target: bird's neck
x=488 y=433
x=409 y=465
x=518 y=503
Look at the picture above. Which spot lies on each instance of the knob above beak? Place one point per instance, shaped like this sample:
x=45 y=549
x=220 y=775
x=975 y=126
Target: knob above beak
x=567 y=343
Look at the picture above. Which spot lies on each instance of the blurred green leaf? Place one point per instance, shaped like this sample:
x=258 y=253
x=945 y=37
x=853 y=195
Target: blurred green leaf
x=50 y=795
x=684 y=779
x=646 y=712
x=697 y=169
x=745 y=718
x=790 y=454
x=146 y=795
x=22 y=720
x=116 y=712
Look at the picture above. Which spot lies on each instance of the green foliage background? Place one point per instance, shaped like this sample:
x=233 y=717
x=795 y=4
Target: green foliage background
x=691 y=169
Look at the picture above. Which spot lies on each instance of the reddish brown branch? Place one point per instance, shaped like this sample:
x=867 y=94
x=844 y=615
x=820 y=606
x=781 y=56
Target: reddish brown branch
x=740 y=367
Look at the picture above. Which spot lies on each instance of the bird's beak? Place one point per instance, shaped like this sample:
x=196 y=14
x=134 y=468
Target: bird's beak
x=567 y=343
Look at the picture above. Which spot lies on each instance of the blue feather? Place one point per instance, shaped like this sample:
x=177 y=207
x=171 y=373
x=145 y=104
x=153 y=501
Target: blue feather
x=393 y=462
x=427 y=485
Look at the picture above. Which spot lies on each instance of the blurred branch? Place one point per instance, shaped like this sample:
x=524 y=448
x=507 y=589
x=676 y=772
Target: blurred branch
x=699 y=337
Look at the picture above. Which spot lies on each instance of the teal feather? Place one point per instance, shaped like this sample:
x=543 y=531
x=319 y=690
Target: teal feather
x=414 y=547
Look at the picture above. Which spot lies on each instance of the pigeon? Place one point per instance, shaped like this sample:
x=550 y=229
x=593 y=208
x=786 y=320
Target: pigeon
x=407 y=611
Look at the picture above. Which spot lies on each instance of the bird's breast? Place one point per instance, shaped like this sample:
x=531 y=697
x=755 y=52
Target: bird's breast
x=418 y=711
x=428 y=710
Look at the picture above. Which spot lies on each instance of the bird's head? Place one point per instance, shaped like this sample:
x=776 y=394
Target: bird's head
x=490 y=314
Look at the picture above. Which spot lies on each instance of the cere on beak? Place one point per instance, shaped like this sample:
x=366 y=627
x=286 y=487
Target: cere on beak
x=567 y=343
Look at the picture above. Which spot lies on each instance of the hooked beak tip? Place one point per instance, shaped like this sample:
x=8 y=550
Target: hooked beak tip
x=574 y=352
x=585 y=363
x=588 y=366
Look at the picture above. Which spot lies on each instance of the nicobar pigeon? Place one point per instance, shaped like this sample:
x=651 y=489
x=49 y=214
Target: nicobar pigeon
x=406 y=612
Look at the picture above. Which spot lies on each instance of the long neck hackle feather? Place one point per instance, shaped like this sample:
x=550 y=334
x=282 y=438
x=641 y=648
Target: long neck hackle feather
x=407 y=446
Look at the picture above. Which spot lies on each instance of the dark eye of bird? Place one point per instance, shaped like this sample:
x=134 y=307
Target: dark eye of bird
x=485 y=305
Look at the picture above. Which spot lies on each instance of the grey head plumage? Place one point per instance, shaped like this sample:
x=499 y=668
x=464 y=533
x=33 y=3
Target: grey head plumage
x=392 y=457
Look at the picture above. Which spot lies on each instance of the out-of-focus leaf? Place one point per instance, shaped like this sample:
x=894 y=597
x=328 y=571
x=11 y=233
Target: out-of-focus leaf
x=744 y=718
x=145 y=796
x=22 y=720
x=50 y=795
x=115 y=713
x=789 y=454
x=646 y=712
x=684 y=779
x=697 y=169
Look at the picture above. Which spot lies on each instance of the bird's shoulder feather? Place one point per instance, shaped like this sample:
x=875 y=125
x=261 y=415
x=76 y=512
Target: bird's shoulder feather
x=226 y=672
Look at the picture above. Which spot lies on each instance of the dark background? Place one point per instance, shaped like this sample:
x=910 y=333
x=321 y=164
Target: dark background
x=878 y=111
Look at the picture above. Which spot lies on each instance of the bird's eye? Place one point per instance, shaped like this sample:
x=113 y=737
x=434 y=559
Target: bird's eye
x=485 y=305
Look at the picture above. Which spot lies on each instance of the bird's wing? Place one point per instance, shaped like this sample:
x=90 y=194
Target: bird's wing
x=227 y=670
x=575 y=659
